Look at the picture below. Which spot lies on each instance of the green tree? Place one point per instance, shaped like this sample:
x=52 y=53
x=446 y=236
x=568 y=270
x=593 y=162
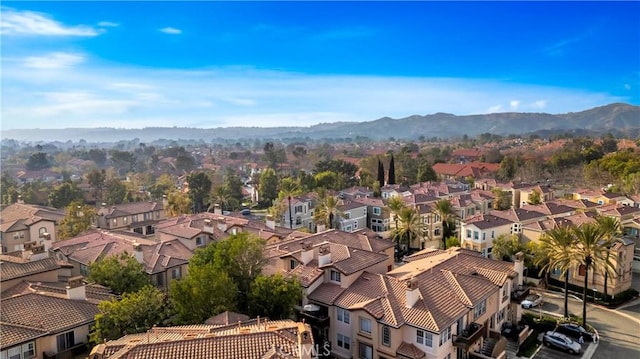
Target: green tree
x=116 y=192
x=136 y=312
x=233 y=186
x=444 y=209
x=590 y=251
x=392 y=171
x=327 y=212
x=453 y=242
x=534 y=197
x=122 y=273
x=78 y=218
x=612 y=229
x=162 y=186
x=268 y=187
x=503 y=199
x=199 y=189
x=178 y=203
x=205 y=291
x=426 y=172
x=96 y=179
x=508 y=167
x=505 y=246
x=8 y=188
x=64 y=194
x=556 y=253
x=274 y=296
x=38 y=161
x=328 y=180
x=409 y=226
x=185 y=163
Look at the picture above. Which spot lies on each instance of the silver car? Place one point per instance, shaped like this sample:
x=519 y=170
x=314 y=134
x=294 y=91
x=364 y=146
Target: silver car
x=560 y=341
x=531 y=301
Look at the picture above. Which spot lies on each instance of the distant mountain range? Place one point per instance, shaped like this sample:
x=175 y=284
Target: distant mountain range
x=616 y=118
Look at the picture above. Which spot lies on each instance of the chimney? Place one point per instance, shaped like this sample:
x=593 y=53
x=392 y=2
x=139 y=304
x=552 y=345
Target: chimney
x=413 y=292
x=270 y=222
x=26 y=250
x=76 y=289
x=518 y=266
x=321 y=228
x=38 y=253
x=137 y=252
x=222 y=224
x=20 y=200
x=217 y=209
x=208 y=226
x=305 y=342
x=324 y=255
x=103 y=204
x=307 y=253
x=46 y=241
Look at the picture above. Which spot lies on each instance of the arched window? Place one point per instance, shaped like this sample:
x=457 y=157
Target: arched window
x=42 y=231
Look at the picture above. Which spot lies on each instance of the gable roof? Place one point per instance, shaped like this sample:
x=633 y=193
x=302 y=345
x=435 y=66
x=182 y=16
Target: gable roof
x=129 y=209
x=12 y=267
x=27 y=214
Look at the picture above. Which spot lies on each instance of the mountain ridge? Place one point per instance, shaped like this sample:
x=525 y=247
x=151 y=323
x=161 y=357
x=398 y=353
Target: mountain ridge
x=614 y=117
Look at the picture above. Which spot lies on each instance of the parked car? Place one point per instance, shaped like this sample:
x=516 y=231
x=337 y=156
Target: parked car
x=531 y=301
x=574 y=331
x=560 y=341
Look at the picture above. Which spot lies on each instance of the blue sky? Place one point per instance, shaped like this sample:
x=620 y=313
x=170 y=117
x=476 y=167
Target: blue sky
x=210 y=64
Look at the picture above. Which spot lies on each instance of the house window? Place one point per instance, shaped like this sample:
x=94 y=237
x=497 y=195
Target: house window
x=424 y=338
x=157 y=214
x=343 y=316
x=493 y=234
x=84 y=269
x=18 y=235
x=436 y=232
x=292 y=264
x=500 y=315
x=134 y=218
x=355 y=225
x=41 y=232
x=148 y=216
x=366 y=351
x=365 y=325
x=115 y=221
x=344 y=342
x=298 y=221
x=298 y=209
x=386 y=336
x=176 y=273
x=556 y=271
x=468 y=233
x=199 y=241
x=480 y=309
x=160 y=279
x=335 y=276
x=66 y=341
x=475 y=235
x=377 y=211
x=484 y=236
x=445 y=336
x=347 y=215
x=125 y=220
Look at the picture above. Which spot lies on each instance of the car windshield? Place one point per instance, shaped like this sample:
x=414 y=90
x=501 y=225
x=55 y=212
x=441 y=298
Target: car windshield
x=532 y=298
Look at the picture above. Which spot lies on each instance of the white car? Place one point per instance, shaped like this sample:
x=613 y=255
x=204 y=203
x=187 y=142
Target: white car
x=531 y=301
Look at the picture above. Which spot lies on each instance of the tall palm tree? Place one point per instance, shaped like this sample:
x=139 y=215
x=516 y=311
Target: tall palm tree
x=612 y=229
x=410 y=226
x=556 y=253
x=590 y=250
x=289 y=188
x=395 y=204
x=327 y=212
x=444 y=209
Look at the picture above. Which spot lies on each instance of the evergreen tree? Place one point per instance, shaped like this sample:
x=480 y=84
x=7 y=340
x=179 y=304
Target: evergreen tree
x=392 y=171
x=380 y=173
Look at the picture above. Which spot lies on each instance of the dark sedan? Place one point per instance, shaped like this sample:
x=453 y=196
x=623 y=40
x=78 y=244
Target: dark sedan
x=575 y=331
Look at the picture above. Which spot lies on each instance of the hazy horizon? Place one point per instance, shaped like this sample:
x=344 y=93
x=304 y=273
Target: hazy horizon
x=134 y=65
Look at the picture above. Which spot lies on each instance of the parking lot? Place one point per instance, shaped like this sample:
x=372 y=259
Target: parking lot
x=550 y=353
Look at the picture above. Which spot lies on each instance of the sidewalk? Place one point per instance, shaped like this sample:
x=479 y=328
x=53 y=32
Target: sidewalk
x=561 y=295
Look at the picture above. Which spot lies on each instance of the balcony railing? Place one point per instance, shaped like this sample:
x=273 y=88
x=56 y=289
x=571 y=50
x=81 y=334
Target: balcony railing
x=68 y=353
x=519 y=294
x=317 y=318
x=468 y=337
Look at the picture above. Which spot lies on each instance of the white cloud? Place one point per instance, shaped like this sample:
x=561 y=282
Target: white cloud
x=85 y=96
x=627 y=87
x=540 y=104
x=55 y=60
x=170 y=30
x=15 y=22
x=514 y=104
x=108 y=24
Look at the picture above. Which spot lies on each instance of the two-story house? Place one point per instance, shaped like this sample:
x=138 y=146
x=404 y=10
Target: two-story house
x=378 y=214
x=137 y=217
x=21 y=223
x=298 y=213
x=353 y=216
x=441 y=304
x=478 y=233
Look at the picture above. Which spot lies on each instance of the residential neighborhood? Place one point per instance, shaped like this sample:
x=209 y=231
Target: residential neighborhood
x=272 y=261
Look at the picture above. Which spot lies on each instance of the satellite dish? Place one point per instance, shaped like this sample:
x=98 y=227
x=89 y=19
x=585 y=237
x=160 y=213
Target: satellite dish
x=311 y=308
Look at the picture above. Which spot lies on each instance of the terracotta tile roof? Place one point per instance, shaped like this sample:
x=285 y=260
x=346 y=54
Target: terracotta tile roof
x=12 y=334
x=410 y=351
x=15 y=267
x=28 y=214
x=350 y=205
x=95 y=293
x=275 y=339
x=484 y=221
x=307 y=274
x=326 y=293
x=44 y=313
x=226 y=318
x=129 y=208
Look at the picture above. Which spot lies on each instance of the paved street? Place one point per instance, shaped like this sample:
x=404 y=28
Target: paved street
x=619 y=330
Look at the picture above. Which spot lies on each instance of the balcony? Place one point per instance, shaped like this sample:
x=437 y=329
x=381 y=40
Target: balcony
x=468 y=337
x=315 y=315
x=519 y=294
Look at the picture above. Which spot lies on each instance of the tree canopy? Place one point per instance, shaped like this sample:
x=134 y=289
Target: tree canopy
x=78 y=218
x=274 y=296
x=122 y=273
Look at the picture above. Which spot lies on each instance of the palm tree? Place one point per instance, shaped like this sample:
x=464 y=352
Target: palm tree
x=327 y=211
x=612 y=229
x=444 y=209
x=395 y=204
x=590 y=250
x=289 y=188
x=556 y=252
x=410 y=226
